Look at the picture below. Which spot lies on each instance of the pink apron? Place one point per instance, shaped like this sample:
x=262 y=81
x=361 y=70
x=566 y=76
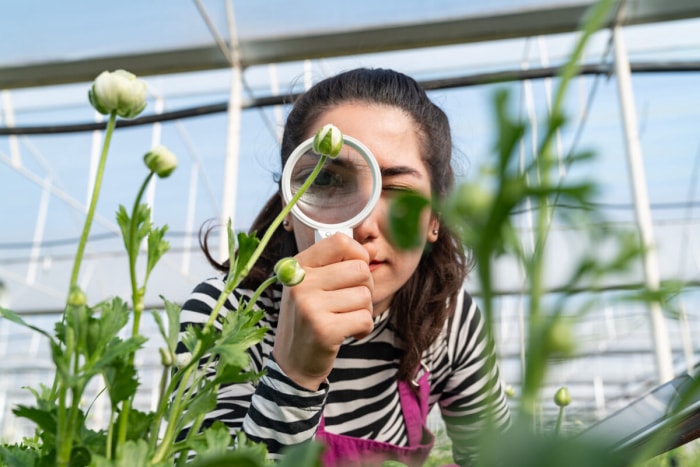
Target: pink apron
x=347 y=451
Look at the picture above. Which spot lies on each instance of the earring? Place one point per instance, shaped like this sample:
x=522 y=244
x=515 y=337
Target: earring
x=435 y=231
x=285 y=223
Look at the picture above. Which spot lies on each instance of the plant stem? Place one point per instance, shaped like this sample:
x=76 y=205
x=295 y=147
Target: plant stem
x=93 y=201
x=136 y=297
x=559 y=419
x=134 y=245
x=64 y=437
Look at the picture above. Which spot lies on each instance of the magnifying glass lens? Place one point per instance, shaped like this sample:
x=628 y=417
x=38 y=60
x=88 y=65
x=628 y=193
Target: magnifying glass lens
x=339 y=192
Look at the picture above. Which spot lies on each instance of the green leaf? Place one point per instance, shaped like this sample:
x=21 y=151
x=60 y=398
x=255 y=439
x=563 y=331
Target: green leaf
x=133 y=453
x=44 y=418
x=157 y=247
x=235 y=355
x=117 y=349
x=195 y=334
x=114 y=316
x=404 y=220
x=247 y=243
x=18 y=456
x=15 y=318
x=509 y=131
x=203 y=402
x=124 y=222
x=121 y=379
x=143 y=223
x=307 y=454
x=138 y=425
x=218 y=438
x=172 y=311
x=231 y=458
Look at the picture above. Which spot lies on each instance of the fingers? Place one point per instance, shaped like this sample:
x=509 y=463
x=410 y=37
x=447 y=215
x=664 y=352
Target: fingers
x=333 y=249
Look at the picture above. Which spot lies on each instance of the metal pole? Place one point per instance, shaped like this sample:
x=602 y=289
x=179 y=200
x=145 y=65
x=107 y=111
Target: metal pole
x=659 y=328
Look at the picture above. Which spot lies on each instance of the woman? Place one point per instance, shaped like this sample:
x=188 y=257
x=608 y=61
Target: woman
x=417 y=339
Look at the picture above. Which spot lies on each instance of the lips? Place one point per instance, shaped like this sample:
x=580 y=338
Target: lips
x=374 y=265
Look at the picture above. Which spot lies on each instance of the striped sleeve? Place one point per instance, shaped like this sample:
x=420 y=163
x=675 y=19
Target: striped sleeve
x=473 y=391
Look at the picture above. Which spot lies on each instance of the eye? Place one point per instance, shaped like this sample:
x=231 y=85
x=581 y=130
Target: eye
x=328 y=178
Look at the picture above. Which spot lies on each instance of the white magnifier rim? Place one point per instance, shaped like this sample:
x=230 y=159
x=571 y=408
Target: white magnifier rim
x=323 y=229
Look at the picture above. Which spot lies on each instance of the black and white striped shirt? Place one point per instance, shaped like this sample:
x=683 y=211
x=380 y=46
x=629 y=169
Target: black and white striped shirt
x=360 y=398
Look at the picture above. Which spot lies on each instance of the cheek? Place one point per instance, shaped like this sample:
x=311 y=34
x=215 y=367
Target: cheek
x=303 y=235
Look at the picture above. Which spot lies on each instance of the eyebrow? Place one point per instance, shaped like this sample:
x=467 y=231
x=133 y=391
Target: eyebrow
x=400 y=170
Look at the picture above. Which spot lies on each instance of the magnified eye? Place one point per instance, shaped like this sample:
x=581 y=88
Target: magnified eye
x=328 y=178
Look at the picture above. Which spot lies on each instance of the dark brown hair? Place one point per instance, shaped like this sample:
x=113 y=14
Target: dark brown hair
x=421 y=306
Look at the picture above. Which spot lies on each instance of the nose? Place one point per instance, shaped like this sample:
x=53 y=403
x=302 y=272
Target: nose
x=369 y=229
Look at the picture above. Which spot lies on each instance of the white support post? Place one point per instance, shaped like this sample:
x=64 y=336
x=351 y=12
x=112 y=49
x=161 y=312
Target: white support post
x=8 y=110
x=659 y=327
x=233 y=133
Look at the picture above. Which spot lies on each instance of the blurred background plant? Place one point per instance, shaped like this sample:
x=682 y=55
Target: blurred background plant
x=482 y=212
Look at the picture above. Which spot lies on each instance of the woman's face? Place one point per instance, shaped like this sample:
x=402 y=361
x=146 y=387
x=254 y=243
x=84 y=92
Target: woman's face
x=392 y=137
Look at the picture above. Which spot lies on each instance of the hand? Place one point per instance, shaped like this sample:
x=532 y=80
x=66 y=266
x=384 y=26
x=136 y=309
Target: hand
x=333 y=301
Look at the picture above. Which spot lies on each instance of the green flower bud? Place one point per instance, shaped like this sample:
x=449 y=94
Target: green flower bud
x=560 y=339
x=328 y=141
x=166 y=357
x=118 y=91
x=76 y=297
x=289 y=272
x=510 y=391
x=161 y=161
x=562 y=397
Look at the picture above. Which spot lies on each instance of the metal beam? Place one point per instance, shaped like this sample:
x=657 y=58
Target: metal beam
x=542 y=20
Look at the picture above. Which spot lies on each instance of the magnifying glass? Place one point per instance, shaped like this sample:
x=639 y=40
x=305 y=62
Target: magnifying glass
x=344 y=192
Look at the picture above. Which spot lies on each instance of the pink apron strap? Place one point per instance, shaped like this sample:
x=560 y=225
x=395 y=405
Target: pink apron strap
x=414 y=403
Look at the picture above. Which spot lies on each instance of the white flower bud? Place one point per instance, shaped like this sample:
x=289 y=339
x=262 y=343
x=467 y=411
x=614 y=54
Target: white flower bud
x=161 y=161
x=289 y=272
x=118 y=91
x=328 y=141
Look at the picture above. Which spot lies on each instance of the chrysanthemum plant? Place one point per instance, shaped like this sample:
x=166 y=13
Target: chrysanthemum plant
x=88 y=344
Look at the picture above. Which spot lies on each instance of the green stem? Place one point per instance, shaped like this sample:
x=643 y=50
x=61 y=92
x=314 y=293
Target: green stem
x=110 y=434
x=134 y=245
x=64 y=437
x=136 y=296
x=169 y=435
x=162 y=402
x=93 y=202
x=559 y=419
x=268 y=282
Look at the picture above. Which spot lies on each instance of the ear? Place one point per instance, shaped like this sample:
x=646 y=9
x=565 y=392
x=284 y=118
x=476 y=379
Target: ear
x=433 y=229
x=287 y=224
